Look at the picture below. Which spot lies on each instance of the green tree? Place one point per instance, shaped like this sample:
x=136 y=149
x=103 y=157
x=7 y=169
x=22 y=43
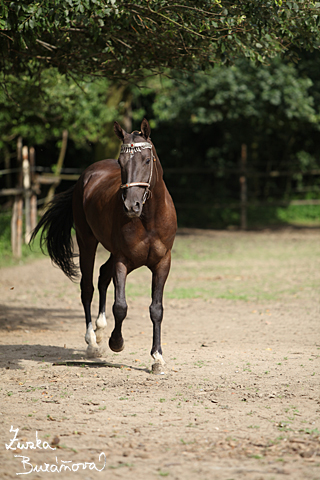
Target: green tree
x=128 y=41
x=40 y=109
x=203 y=119
x=245 y=102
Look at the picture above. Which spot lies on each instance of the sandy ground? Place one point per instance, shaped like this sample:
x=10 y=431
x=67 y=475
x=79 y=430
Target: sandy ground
x=239 y=400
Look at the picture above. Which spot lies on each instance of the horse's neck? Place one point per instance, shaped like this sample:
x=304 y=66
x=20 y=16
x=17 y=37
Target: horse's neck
x=158 y=189
x=157 y=198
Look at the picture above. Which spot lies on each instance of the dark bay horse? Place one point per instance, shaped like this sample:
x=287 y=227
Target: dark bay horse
x=125 y=206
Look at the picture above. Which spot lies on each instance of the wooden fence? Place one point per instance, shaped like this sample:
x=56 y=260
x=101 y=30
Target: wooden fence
x=244 y=175
x=26 y=191
x=29 y=179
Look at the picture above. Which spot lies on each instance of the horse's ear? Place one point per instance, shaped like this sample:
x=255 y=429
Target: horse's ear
x=145 y=128
x=118 y=130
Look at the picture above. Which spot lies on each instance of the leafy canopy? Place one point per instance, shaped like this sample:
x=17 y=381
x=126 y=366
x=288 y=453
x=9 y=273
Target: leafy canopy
x=268 y=96
x=123 y=40
x=40 y=110
x=270 y=108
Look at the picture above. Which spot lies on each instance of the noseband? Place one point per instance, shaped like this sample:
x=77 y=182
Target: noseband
x=133 y=148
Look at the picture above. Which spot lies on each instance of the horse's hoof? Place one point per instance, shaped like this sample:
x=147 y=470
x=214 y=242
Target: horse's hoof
x=94 y=352
x=116 y=346
x=157 y=369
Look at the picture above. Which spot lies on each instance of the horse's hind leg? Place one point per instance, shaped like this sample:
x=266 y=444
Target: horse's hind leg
x=87 y=251
x=159 y=276
x=116 y=342
x=106 y=273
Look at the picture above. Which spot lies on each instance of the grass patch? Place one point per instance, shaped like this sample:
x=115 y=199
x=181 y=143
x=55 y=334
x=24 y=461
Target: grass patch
x=232 y=296
x=136 y=289
x=206 y=216
x=236 y=266
x=308 y=215
x=184 y=292
x=239 y=266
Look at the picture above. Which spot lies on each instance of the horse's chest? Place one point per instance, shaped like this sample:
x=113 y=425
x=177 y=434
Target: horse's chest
x=157 y=251
x=147 y=252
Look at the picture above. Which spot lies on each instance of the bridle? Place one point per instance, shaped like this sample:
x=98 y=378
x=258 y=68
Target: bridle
x=133 y=148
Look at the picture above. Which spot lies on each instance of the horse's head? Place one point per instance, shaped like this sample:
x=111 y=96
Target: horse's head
x=136 y=162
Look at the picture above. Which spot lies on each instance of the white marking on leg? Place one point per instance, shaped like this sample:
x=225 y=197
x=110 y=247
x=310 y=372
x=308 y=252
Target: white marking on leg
x=90 y=338
x=101 y=321
x=158 y=358
x=101 y=324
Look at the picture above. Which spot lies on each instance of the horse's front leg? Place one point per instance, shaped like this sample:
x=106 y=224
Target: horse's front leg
x=159 y=276
x=116 y=342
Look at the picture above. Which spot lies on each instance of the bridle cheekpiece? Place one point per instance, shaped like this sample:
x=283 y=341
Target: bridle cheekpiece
x=133 y=148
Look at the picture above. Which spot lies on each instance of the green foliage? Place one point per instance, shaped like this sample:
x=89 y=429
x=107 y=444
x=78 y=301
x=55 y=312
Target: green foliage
x=40 y=108
x=265 y=107
x=5 y=236
x=121 y=40
x=268 y=95
x=299 y=214
x=49 y=49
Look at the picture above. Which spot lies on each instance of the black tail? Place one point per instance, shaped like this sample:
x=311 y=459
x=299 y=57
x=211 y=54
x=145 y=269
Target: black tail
x=56 y=225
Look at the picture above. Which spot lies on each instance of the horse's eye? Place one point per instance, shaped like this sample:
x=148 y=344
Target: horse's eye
x=148 y=160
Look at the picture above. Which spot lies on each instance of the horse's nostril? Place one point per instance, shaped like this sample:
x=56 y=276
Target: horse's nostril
x=136 y=207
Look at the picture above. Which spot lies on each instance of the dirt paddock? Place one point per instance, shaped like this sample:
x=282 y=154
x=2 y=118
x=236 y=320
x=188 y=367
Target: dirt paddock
x=240 y=396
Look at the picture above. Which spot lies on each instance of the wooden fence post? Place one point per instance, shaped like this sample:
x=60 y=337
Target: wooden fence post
x=243 y=187
x=17 y=211
x=33 y=199
x=26 y=192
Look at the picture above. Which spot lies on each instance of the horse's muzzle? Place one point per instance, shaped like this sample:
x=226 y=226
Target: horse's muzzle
x=132 y=210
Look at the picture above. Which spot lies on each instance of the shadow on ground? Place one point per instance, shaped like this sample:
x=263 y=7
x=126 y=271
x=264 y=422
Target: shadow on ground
x=37 y=353
x=59 y=356
x=29 y=318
